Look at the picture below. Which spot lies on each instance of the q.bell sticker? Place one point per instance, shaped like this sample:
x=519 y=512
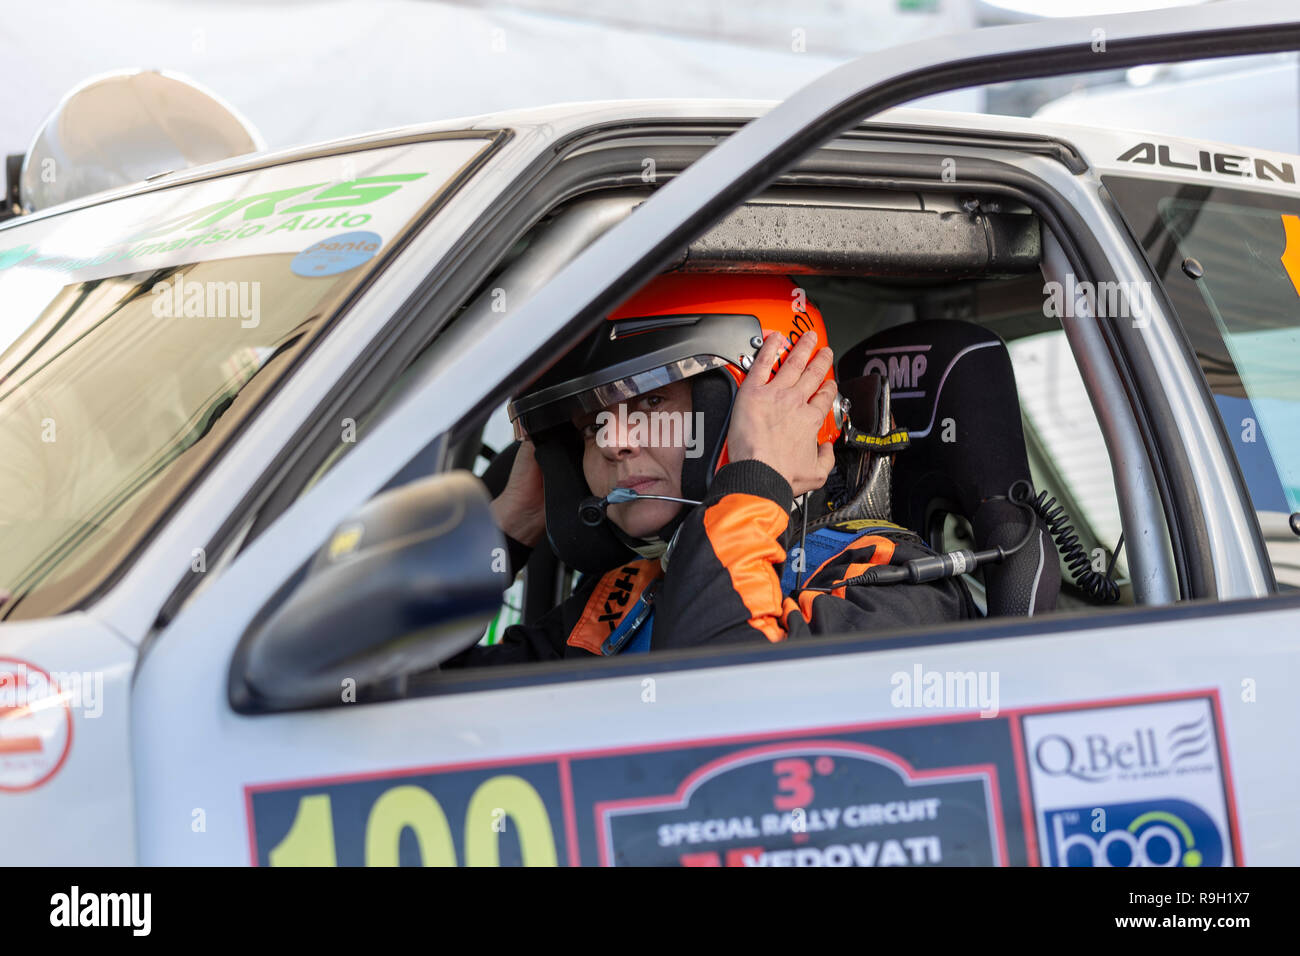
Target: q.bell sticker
x=35 y=726
x=328 y=257
x=1138 y=785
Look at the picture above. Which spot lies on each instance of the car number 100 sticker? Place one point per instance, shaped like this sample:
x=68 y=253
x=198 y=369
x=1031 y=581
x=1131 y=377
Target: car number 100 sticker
x=470 y=818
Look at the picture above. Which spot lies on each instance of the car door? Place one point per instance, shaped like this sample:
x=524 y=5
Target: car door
x=1135 y=737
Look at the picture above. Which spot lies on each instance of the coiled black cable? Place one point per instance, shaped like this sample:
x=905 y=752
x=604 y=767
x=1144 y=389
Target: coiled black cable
x=1099 y=587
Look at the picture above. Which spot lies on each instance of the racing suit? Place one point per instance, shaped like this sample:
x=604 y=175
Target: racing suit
x=723 y=585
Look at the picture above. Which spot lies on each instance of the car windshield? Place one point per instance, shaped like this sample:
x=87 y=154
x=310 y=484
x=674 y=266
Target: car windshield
x=1230 y=262
x=136 y=337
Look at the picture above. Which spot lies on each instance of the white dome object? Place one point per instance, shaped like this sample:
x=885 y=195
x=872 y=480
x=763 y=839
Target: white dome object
x=124 y=127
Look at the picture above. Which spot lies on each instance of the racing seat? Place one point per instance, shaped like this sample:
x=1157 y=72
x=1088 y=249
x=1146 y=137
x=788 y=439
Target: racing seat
x=953 y=390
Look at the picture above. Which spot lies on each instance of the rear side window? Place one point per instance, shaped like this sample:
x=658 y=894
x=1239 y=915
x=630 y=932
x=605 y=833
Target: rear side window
x=1239 y=302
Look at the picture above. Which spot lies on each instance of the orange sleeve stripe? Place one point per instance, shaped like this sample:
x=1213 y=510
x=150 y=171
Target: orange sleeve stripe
x=743 y=530
x=804 y=607
x=869 y=541
x=882 y=555
x=884 y=552
x=852 y=571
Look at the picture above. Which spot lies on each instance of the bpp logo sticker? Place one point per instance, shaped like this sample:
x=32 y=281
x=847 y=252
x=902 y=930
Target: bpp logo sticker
x=1149 y=833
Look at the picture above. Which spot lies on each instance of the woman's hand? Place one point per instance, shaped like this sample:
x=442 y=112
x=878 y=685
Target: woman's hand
x=520 y=510
x=776 y=422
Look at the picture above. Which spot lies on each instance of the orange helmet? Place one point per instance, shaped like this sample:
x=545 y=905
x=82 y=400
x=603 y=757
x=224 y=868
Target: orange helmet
x=702 y=327
x=677 y=326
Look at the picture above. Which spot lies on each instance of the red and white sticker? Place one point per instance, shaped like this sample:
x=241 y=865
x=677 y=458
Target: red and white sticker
x=35 y=726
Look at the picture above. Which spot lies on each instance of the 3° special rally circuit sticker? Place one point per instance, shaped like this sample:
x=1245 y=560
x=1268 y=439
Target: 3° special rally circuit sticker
x=810 y=803
x=1138 y=785
x=35 y=726
x=328 y=257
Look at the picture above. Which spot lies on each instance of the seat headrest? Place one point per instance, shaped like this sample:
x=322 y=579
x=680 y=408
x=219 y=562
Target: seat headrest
x=952 y=387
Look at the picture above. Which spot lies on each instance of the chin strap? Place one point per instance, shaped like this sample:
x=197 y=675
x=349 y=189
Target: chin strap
x=654 y=546
x=650 y=548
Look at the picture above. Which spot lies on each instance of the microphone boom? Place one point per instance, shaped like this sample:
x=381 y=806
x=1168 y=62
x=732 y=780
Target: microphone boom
x=591 y=511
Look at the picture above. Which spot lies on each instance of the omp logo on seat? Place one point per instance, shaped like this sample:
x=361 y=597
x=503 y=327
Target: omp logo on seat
x=619 y=596
x=902 y=366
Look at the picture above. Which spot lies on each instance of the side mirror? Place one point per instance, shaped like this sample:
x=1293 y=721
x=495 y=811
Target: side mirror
x=405 y=583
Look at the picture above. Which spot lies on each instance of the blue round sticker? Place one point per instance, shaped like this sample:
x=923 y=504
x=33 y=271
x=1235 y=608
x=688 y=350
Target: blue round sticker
x=338 y=254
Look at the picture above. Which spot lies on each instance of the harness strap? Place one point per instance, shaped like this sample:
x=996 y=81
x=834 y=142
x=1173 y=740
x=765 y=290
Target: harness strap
x=633 y=633
x=894 y=441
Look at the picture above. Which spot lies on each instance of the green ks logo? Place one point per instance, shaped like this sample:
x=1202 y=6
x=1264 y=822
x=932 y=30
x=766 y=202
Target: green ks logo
x=356 y=192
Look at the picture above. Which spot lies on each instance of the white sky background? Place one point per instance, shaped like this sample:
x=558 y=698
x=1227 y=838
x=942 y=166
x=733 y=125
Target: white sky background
x=307 y=70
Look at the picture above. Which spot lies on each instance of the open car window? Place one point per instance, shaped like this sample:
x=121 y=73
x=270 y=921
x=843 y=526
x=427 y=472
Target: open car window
x=497 y=435
x=1066 y=449
x=1230 y=263
x=1068 y=458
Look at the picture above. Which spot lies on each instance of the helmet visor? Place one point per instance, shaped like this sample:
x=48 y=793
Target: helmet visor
x=630 y=357
x=528 y=421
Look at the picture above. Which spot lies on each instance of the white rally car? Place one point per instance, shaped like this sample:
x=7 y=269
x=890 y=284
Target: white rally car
x=202 y=659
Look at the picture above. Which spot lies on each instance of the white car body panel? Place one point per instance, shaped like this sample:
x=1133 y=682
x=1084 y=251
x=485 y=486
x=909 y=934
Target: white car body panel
x=1100 y=664
x=84 y=811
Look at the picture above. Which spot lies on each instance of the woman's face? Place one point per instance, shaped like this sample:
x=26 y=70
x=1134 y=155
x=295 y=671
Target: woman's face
x=644 y=452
